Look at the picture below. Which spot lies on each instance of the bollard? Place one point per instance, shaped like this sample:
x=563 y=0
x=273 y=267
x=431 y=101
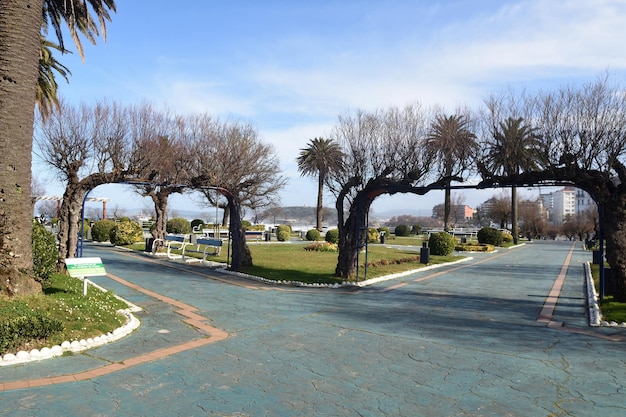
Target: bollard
x=424 y=253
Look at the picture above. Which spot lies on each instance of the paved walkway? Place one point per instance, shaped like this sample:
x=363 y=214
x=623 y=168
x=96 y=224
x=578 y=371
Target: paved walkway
x=502 y=335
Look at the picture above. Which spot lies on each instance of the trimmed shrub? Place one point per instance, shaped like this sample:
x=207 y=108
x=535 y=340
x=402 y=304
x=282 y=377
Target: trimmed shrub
x=416 y=229
x=402 y=230
x=441 y=244
x=15 y=332
x=101 y=230
x=197 y=224
x=313 y=234
x=490 y=236
x=178 y=226
x=321 y=247
x=332 y=236
x=246 y=225
x=283 y=232
x=386 y=230
x=45 y=253
x=507 y=237
x=126 y=233
x=372 y=235
x=283 y=235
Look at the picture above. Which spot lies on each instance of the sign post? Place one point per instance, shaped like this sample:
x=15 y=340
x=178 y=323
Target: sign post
x=84 y=267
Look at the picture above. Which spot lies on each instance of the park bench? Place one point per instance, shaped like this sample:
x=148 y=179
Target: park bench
x=254 y=234
x=210 y=233
x=171 y=242
x=204 y=246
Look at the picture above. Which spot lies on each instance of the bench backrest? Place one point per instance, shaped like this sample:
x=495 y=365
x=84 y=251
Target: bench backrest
x=209 y=242
x=176 y=238
x=254 y=234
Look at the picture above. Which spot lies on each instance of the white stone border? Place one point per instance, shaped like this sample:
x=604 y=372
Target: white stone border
x=595 y=314
x=132 y=323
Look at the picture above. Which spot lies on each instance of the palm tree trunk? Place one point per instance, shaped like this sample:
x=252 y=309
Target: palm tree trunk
x=20 y=24
x=514 y=227
x=446 y=209
x=320 y=204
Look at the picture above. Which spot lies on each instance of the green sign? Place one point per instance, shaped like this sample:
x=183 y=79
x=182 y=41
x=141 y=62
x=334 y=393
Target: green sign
x=85 y=267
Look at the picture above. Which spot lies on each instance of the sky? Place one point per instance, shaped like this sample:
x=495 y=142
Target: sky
x=292 y=67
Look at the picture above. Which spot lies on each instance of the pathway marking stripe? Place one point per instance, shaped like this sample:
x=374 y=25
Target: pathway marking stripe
x=547 y=312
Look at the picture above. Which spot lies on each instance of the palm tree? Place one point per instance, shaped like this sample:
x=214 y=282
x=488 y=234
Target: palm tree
x=515 y=149
x=452 y=144
x=46 y=83
x=20 y=47
x=319 y=158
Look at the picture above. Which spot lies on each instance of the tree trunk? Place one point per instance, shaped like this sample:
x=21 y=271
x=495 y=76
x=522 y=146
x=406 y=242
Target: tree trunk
x=69 y=222
x=225 y=215
x=20 y=25
x=242 y=257
x=614 y=215
x=352 y=236
x=160 y=207
x=320 y=205
x=514 y=228
x=446 y=209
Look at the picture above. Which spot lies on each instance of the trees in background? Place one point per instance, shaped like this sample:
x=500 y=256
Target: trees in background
x=452 y=143
x=518 y=142
x=319 y=158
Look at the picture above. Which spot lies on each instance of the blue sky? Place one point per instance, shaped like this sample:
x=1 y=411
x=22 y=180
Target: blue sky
x=291 y=68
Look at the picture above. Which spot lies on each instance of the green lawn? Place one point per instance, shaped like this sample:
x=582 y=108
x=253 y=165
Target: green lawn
x=611 y=310
x=290 y=262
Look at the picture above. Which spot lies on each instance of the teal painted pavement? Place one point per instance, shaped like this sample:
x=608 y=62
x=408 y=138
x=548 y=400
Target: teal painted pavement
x=462 y=340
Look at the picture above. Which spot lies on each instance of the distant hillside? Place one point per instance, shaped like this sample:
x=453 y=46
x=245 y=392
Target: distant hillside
x=299 y=215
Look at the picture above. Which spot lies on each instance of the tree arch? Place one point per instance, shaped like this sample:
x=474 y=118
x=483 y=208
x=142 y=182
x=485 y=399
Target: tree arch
x=239 y=256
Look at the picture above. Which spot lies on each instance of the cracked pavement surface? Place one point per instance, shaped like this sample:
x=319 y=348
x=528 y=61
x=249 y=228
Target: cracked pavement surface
x=462 y=340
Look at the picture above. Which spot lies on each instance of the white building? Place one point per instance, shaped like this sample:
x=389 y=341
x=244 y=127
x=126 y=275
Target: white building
x=584 y=202
x=568 y=201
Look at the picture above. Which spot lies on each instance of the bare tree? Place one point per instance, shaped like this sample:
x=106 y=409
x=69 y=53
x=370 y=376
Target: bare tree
x=230 y=155
x=384 y=153
x=533 y=220
x=37 y=190
x=500 y=209
x=48 y=208
x=88 y=146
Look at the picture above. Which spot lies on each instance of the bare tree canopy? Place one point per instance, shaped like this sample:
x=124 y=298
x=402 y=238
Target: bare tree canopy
x=384 y=152
x=87 y=145
x=231 y=155
x=162 y=143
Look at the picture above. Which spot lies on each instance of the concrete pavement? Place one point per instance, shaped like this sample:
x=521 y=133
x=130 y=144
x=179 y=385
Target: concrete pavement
x=504 y=334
